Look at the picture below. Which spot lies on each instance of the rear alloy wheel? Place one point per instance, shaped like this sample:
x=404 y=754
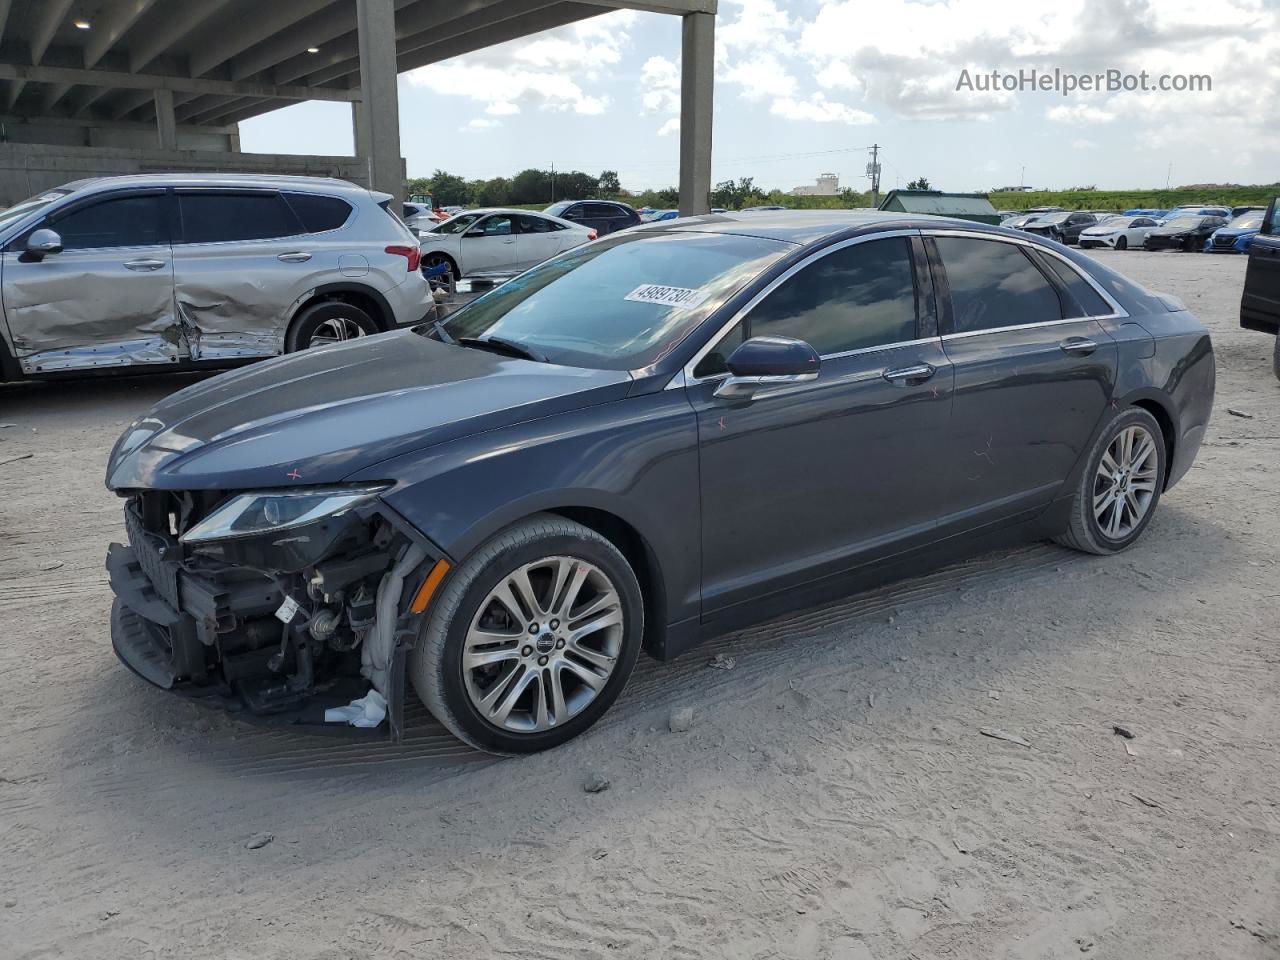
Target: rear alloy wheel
x=324 y=324
x=1122 y=243
x=532 y=638
x=1121 y=485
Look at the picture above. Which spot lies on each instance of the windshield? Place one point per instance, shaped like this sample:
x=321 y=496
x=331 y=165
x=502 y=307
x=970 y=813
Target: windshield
x=1247 y=221
x=1053 y=218
x=621 y=303
x=1183 y=223
x=31 y=205
x=456 y=224
x=556 y=209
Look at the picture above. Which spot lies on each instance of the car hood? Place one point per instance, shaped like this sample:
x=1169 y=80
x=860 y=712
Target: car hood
x=1167 y=231
x=323 y=414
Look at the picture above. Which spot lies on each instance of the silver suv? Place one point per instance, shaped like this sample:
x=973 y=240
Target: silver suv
x=195 y=269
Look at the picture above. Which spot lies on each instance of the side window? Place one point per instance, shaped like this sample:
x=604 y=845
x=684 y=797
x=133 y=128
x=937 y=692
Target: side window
x=717 y=360
x=496 y=226
x=534 y=225
x=601 y=211
x=136 y=221
x=1087 y=299
x=994 y=284
x=860 y=296
x=1269 y=225
x=319 y=214
x=217 y=215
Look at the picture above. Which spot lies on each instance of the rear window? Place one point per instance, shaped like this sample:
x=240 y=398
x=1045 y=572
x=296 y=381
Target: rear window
x=994 y=285
x=216 y=216
x=622 y=303
x=319 y=214
x=1088 y=302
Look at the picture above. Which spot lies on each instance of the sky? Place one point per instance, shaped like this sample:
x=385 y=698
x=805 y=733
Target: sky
x=803 y=87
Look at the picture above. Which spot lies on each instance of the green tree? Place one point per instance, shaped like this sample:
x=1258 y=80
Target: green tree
x=919 y=184
x=492 y=193
x=448 y=189
x=609 y=184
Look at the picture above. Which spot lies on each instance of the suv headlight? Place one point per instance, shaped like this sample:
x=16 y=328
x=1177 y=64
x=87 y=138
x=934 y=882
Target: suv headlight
x=277 y=511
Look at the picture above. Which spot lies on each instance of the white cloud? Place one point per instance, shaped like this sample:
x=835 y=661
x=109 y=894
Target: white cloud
x=671 y=126
x=761 y=75
x=481 y=123
x=1079 y=113
x=551 y=71
x=1083 y=144
x=661 y=79
x=819 y=109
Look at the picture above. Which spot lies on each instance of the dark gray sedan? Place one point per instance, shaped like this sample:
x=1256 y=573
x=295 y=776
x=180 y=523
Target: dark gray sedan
x=639 y=443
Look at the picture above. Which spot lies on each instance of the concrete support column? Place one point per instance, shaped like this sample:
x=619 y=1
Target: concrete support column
x=166 y=123
x=378 y=113
x=697 y=79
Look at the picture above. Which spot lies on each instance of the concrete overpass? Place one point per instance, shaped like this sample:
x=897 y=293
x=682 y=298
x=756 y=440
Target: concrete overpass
x=92 y=87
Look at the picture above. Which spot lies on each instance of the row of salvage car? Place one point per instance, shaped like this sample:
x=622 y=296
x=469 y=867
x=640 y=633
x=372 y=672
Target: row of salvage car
x=1208 y=228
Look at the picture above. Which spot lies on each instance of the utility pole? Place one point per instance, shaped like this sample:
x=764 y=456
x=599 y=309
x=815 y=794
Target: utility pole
x=1168 y=175
x=873 y=171
x=1022 y=178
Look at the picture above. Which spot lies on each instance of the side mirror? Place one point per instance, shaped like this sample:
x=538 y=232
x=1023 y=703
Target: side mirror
x=43 y=242
x=764 y=362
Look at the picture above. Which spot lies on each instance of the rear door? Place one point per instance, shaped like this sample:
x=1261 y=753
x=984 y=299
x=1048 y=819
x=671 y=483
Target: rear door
x=105 y=300
x=539 y=238
x=241 y=259
x=1260 y=304
x=1034 y=374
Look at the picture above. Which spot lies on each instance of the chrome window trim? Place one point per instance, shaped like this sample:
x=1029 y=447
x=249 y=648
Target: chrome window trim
x=686 y=378
x=1117 y=311
x=687 y=372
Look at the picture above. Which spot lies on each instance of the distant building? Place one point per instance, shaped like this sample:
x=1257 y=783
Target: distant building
x=827 y=185
x=1018 y=189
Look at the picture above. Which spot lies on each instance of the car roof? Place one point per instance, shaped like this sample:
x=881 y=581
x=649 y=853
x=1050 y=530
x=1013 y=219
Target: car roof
x=277 y=181
x=809 y=226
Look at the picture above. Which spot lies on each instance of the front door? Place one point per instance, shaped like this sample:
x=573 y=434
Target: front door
x=814 y=478
x=1033 y=375
x=106 y=300
x=491 y=246
x=1260 y=304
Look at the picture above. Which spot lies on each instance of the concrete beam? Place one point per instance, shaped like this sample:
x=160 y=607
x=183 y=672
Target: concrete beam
x=50 y=17
x=178 y=24
x=697 y=77
x=166 y=122
x=270 y=19
x=678 y=7
x=111 y=25
x=138 y=81
x=379 y=144
x=15 y=91
x=4 y=15
x=53 y=92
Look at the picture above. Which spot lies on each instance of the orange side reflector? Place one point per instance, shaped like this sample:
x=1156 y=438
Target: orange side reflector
x=428 y=588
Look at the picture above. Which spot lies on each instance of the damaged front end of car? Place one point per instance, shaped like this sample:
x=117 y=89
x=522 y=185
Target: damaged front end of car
x=282 y=604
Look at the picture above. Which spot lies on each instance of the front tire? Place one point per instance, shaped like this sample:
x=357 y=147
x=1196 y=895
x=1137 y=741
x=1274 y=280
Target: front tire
x=1120 y=488
x=1122 y=243
x=532 y=638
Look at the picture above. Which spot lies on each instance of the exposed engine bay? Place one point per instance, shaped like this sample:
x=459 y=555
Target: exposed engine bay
x=279 y=603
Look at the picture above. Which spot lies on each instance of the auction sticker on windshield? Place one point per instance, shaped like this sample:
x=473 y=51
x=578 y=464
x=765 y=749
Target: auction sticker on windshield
x=667 y=296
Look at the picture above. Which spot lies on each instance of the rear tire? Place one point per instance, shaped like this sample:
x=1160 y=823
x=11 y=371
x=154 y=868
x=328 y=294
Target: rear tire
x=1119 y=490
x=331 y=321
x=1122 y=243
x=519 y=682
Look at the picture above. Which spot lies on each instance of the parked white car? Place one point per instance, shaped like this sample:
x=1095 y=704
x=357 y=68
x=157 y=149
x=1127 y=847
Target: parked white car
x=1119 y=233
x=499 y=242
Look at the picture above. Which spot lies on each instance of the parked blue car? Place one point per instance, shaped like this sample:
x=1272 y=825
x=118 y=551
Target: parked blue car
x=1145 y=212
x=1236 y=236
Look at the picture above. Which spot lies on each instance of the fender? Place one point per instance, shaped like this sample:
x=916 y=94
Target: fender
x=635 y=459
x=386 y=320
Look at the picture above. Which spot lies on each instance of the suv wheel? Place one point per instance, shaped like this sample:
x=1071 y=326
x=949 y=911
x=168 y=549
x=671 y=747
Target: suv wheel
x=1120 y=488
x=326 y=323
x=532 y=638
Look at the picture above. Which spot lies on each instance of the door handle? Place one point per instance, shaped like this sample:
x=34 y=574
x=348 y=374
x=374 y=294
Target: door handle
x=511 y=240
x=914 y=374
x=1078 y=345
x=144 y=264
x=297 y=256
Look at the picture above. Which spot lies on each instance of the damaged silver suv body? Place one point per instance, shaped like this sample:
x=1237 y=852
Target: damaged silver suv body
x=181 y=271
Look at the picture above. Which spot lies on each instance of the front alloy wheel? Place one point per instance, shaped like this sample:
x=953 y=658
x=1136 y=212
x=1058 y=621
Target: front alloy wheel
x=335 y=330
x=531 y=638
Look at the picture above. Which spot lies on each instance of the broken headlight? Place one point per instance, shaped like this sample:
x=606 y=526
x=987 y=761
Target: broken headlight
x=276 y=511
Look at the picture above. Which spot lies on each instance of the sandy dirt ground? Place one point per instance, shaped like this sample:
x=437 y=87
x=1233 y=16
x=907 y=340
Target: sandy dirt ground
x=833 y=799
